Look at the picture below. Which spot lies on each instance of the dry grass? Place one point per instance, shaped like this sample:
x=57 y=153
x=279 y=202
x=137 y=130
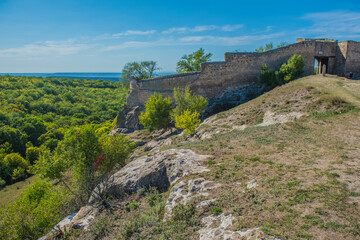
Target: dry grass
x=308 y=171
x=10 y=192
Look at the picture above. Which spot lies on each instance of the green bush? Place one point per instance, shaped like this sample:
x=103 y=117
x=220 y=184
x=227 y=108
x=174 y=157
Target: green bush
x=186 y=100
x=157 y=112
x=32 y=154
x=13 y=167
x=188 y=121
x=287 y=72
x=85 y=157
x=34 y=212
x=293 y=69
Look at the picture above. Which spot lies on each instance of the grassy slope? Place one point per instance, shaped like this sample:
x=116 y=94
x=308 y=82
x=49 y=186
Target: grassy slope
x=308 y=170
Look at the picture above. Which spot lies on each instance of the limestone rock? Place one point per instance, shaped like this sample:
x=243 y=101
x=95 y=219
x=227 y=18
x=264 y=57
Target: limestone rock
x=160 y=170
x=219 y=228
x=183 y=192
x=127 y=120
x=251 y=184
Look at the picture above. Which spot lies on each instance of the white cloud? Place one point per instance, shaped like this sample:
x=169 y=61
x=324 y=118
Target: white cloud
x=203 y=28
x=227 y=41
x=334 y=24
x=67 y=47
x=194 y=29
x=230 y=28
x=133 y=32
x=134 y=44
x=177 y=30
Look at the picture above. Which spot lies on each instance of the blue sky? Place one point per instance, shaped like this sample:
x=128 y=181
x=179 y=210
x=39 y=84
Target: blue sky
x=103 y=35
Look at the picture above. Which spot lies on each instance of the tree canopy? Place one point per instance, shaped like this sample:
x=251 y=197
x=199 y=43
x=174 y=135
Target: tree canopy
x=192 y=62
x=139 y=70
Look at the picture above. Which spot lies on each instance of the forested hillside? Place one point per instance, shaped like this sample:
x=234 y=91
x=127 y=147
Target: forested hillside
x=35 y=113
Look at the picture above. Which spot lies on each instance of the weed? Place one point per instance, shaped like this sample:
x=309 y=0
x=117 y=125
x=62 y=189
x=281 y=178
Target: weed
x=335 y=226
x=132 y=206
x=216 y=210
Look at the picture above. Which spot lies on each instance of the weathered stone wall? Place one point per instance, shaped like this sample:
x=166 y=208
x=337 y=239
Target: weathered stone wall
x=353 y=59
x=217 y=78
x=237 y=79
x=340 y=58
x=141 y=90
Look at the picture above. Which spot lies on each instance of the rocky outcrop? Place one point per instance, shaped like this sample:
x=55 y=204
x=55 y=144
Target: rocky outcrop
x=160 y=171
x=183 y=192
x=127 y=120
x=219 y=228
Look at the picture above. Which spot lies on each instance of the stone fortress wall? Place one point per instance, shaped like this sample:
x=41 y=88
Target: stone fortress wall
x=237 y=79
x=243 y=69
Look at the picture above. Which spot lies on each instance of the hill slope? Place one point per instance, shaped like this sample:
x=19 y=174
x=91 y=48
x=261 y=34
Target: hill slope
x=286 y=162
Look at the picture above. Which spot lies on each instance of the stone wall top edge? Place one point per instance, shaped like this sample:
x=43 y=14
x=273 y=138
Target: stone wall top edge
x=269 y=52
x=169 y=76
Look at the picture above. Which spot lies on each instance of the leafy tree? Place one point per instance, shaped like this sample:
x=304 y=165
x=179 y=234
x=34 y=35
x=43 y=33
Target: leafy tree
x=4 y=119
x=13 y=167
x=268 y=46
x=88 y=159
x=294 y=68
x=139 y=70
x=32 y=154
x=115 y=150
x=192 y=62
x=14 y=137
x=157 y=112
x=186 y=100
x=282 y=44
x=188 y=121
x=34 y=127
x=287 y=72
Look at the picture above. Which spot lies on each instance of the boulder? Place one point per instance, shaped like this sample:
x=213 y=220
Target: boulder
x=127 y=120
x=160 y=170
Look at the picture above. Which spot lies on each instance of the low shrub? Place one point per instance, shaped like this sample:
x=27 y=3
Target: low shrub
x=157 y=112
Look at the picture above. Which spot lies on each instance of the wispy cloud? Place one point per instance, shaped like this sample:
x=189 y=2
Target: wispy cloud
x=203 y=28
x=133 y=32
x=334 y=24
x=67 y=47
x=228 y=41
x=230 y=28
x=135 y=44
x=195 y=40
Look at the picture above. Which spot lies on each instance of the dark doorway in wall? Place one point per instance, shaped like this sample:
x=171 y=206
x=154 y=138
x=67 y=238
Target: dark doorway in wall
x=321 y=65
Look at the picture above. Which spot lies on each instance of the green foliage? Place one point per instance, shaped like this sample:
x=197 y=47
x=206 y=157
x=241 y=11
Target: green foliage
x=32 y=154
x=282 y=44
x=40 y=110
x=139 y=70
x=294 y=68
x=287 y=72
x=188 y=121
x=34 y=213
x=192 y=62
x=87 y=157
x=186 y=100
x=13 y=167
x=157 y=112
x=14 y=137
x=268 y=46
x=186 y=114
x=33 y=127
x=115 y=149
